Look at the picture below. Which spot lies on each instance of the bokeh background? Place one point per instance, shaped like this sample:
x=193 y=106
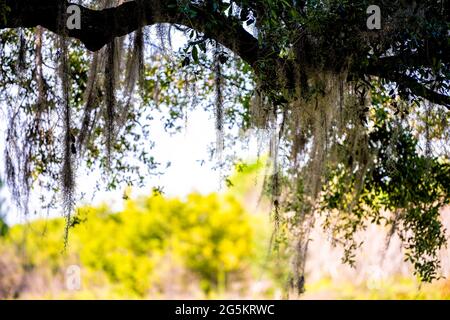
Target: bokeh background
x=200 y=246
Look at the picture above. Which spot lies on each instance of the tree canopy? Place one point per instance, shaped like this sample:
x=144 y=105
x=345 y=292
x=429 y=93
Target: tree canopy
x=357 y=117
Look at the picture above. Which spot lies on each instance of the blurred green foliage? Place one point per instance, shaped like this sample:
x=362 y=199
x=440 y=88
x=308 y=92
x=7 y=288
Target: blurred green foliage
x=209 y=236
x=205 y=242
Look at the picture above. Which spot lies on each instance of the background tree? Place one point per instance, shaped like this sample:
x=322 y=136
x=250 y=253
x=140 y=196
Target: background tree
x=358 y=118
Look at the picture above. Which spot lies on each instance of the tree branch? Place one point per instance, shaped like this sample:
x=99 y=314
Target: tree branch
x=99 y=27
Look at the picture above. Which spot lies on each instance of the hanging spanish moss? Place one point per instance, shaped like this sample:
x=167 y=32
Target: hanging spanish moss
x=38 y=68
x=17 y=163
x=135 y=72
x=91 y=99
x=110 y=99
x=22 y=132
x=21 y=59
x=260 y=109
x=312 y=128
x=219 y=108
x=163 y=33
x=138 y=51
x=274 y=167
x=68 y=171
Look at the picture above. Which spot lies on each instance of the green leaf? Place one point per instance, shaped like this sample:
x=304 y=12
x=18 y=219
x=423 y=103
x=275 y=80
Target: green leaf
x=195 y=54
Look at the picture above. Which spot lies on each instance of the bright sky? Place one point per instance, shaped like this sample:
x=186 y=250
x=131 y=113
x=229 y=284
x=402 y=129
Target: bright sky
x=186 y=173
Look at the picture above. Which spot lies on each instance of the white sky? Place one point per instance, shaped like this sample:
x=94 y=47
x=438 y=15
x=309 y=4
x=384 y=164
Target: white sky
x=186 y=173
